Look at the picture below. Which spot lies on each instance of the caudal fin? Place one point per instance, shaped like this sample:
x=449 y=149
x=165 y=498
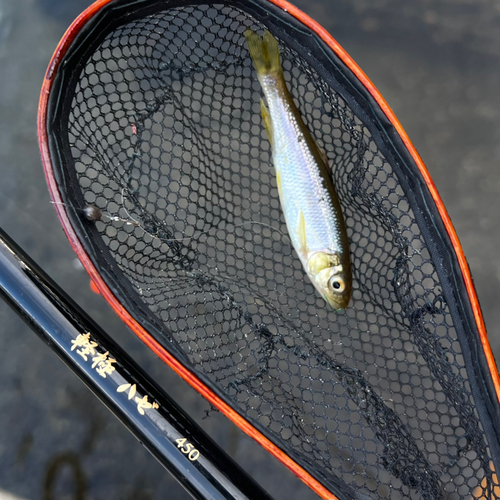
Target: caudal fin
x=265 y=53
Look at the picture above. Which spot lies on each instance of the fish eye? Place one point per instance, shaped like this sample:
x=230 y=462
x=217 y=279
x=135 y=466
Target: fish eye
x=337 y=284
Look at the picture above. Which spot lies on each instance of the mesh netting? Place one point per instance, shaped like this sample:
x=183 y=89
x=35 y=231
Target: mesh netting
x=166 y=138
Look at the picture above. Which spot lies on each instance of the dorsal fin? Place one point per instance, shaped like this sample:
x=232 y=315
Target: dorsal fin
x=266 y=118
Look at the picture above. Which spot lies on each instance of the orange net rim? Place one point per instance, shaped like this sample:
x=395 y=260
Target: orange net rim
x=96 y=278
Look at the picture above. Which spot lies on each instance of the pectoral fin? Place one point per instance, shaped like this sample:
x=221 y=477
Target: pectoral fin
x=302 y=233
x=278 y=183
x=267 y=121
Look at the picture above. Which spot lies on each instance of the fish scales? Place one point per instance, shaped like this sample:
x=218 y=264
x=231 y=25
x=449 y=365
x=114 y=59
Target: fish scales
x=308 y=198
x=303 y=185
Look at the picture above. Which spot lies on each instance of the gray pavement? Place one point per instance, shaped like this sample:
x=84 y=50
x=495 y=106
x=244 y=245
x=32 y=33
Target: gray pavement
x=436 y=63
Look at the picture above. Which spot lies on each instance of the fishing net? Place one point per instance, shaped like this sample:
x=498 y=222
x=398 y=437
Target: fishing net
x=155 y=120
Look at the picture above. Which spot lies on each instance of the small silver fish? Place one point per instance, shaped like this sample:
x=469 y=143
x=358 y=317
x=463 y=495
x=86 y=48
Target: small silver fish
x=307 y=194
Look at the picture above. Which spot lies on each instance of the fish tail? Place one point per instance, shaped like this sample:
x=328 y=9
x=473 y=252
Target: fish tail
x=264 y=52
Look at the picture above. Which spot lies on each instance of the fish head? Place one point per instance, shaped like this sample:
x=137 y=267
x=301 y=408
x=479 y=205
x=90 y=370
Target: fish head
x=330 y=275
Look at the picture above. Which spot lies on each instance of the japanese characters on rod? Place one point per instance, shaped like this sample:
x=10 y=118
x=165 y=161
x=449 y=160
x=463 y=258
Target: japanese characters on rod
x=104 y=365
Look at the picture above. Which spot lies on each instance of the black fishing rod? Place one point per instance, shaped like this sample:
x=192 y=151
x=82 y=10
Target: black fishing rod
x=178 y=443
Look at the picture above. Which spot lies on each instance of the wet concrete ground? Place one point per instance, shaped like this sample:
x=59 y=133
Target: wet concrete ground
x=437 y=63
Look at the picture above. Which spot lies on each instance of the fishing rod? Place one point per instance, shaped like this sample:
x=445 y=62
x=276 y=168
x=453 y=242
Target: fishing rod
x=167 y=432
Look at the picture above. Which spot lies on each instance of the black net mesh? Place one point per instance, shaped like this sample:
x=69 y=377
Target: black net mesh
x=165 y=136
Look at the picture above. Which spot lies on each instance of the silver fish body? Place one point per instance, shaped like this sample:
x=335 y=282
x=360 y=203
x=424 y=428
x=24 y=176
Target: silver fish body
x=308 y=198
